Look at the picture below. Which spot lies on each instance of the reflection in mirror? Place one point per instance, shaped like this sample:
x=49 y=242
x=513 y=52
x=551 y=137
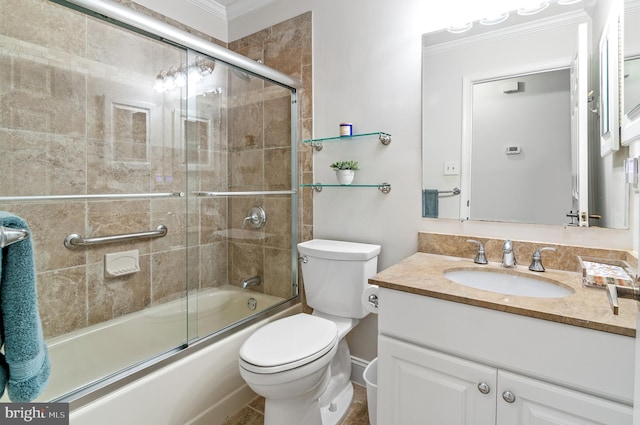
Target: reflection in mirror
x=632 y=87
x=631 y=72
x=538 y=163
x=609 y=83
x=508 y=183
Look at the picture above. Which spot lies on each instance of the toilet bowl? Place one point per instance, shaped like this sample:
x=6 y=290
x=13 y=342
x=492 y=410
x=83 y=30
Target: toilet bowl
x=287 y=362
x=301 y=364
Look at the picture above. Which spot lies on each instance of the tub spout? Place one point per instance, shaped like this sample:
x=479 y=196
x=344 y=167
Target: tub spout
x=251 y=281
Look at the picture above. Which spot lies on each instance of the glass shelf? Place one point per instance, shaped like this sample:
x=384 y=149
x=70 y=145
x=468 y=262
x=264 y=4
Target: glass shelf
x=382 y=187
x=384 y=138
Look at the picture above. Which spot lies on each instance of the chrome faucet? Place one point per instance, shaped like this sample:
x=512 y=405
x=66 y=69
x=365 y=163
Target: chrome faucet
x=480 y=256
x=251 y=281
x=536 y=260
x=508 y=256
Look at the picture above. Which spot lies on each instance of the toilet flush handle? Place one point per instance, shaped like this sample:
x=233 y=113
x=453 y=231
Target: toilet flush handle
x=373 y=300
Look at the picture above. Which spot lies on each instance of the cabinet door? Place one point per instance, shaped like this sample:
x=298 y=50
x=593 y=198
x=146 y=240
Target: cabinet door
x=539 y=403
x=421 y=386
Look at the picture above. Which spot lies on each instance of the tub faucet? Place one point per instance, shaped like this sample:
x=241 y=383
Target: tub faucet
x=251 y=281
x=508 y=256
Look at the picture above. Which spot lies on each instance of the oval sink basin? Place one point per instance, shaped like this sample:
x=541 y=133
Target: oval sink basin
x=508 y=283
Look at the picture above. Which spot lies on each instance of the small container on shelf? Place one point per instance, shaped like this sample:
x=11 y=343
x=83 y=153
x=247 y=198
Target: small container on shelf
x=598 y=272
x=346 y=129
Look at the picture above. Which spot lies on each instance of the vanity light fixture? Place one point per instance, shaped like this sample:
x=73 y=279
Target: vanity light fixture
x=178 y=77
x=458 y=29
x=568 y=2
x=494 y=20
x=533 y=7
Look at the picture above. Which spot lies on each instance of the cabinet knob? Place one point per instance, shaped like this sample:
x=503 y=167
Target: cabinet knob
x=508 y=397
x=484 y=388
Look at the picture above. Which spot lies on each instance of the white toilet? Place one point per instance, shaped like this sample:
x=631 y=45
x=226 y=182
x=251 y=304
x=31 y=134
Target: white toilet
x=301 y=364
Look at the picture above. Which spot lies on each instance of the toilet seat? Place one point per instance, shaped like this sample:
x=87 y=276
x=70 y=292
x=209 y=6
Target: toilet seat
x=288 y=343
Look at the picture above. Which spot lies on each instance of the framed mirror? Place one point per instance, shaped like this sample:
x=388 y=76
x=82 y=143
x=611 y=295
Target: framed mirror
x=631 y=75
x=609 y=77
x=483 y=132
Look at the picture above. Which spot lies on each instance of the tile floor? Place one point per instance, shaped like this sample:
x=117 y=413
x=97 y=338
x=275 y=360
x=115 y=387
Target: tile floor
x=252 y=414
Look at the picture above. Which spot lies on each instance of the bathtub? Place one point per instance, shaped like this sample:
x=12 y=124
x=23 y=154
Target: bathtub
x=89 y=355
x=201 y=388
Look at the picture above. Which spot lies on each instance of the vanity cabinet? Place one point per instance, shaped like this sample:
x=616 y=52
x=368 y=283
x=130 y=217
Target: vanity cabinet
x=442 y=362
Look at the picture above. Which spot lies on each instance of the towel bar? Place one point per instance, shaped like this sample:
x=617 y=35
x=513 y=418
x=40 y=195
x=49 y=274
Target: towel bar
x=74 y=240
x=9 y=235
x=455 y=191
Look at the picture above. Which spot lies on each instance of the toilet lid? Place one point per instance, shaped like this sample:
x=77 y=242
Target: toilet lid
x=288 y=343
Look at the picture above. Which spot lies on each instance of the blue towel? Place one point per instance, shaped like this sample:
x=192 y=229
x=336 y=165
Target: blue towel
x=25 y=363
x=430 y=203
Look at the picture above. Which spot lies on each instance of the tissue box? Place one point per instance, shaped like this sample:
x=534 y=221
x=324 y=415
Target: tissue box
x=598 y=272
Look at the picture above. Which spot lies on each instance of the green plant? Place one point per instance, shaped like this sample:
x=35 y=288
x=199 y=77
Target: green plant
x=345 y=165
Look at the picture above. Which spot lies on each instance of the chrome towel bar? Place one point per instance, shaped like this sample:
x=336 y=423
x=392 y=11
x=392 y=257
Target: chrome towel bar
x=455 y=191
x=9 y=236
x=74 y=241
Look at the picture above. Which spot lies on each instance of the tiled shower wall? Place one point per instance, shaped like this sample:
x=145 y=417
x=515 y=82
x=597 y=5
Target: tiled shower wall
x=69 y=85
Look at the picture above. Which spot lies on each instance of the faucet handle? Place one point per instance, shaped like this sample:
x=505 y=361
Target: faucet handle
x=480 y=257
x=536 y=260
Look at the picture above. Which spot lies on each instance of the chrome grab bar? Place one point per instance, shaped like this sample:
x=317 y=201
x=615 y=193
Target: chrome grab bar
x=9 y=236
x=74 y=241
x=203 y=193
x=91 y=197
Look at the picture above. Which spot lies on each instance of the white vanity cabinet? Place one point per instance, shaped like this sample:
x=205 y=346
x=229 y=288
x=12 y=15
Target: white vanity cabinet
x=446 y=363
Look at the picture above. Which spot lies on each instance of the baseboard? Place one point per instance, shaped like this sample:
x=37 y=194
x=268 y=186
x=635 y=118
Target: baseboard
x=358 y=366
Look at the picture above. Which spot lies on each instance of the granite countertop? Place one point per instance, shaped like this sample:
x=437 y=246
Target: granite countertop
x=423 y=274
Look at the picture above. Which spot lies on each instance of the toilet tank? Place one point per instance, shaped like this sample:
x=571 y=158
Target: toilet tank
x=335 y=273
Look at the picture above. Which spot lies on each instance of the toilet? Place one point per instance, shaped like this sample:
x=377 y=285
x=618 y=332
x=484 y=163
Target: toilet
x=301 y=364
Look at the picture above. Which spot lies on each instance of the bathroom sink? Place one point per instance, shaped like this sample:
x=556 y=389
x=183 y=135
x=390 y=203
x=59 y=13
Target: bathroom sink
x=508 y=283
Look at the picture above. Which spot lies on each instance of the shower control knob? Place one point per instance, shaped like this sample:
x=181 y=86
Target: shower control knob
x=508 y=397
x=484 y=388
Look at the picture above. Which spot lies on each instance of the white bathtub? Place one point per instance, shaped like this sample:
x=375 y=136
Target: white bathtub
x=203 y=388
x=87 y=355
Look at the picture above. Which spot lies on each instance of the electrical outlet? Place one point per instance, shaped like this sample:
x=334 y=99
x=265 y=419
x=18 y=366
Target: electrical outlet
x=451 y=168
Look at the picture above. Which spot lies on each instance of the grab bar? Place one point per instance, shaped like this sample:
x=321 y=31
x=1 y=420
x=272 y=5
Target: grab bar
x=454 y=191
x=10 y=236
x=252 y=193
x=90 y=197
x=74 y=240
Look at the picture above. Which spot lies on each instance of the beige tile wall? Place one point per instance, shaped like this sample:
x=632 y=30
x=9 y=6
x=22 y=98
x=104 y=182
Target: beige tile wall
x=564 y=258
x=60 y=75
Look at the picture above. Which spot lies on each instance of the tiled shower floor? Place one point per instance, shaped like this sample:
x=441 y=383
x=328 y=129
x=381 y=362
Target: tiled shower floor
x=252 y=414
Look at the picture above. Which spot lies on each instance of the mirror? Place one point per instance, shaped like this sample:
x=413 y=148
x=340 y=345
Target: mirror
x=631 y=73
x=488 y=152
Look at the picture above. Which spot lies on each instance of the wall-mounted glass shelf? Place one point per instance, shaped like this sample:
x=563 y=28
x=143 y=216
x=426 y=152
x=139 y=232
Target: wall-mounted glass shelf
x=384 y=138
x=382 y=187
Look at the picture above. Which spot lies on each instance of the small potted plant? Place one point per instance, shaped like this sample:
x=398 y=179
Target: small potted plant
x=345 y=170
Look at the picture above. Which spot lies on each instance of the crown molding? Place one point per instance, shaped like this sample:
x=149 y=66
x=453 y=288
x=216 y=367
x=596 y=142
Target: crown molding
x=234 y=9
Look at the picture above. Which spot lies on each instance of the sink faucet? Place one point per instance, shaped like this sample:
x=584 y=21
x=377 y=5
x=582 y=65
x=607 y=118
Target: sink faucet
x=536 y=260
x=480 y=255
x=508 y=256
